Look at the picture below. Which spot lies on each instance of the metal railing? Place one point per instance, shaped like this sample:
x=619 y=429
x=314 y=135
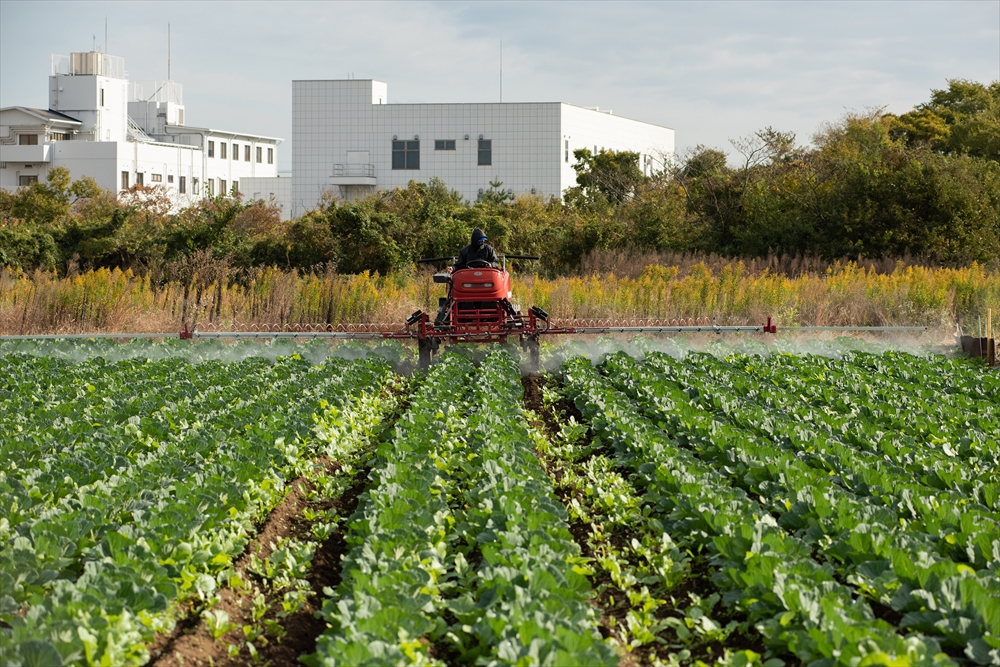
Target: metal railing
x=88 y=63
x=360 y=170
x=156 y=91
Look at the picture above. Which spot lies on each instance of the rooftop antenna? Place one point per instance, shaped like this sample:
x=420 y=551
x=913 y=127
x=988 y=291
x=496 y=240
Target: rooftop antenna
x=168 y=52
x=501 y=71
x=95 y=43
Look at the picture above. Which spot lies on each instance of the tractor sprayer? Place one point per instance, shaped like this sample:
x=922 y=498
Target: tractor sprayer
x=477 y=308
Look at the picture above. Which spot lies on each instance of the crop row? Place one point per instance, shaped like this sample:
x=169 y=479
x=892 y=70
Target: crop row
x=122 y=525
x=886 y=413
x=123 y=435
x=765 y=572
x=656 y=606
x=891 y=538
x=460 y=550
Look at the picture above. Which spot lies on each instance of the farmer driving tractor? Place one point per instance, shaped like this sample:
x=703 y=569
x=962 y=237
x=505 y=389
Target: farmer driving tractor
x=477 y=252
x=476 y=255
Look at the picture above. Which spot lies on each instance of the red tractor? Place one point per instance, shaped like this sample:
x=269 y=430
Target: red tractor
x=478 y=309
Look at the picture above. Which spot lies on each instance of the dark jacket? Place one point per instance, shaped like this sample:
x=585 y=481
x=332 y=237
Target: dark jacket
x=475 y=251
x=469 y=253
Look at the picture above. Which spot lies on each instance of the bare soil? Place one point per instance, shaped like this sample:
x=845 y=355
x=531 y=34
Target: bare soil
x=192 y=643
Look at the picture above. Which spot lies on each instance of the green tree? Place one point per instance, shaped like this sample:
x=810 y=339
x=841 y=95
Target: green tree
x=963 y=119
x=607 y=176
x=41 y=203
x=26 y=246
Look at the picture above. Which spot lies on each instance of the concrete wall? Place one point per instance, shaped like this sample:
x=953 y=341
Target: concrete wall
x=586 y=128
x=80 y=96
x=277 y=189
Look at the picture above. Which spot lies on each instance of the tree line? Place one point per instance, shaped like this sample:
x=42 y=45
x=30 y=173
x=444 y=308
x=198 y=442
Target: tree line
x=871 y=185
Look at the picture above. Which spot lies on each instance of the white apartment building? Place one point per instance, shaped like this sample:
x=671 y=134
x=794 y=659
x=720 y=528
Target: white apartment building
x=349 y=141
x=121 y=134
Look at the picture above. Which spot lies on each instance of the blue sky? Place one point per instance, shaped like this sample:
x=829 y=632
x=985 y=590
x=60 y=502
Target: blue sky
x=713 y=71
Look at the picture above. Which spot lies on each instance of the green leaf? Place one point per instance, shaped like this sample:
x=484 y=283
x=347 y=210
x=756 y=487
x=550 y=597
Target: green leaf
x=37 y=653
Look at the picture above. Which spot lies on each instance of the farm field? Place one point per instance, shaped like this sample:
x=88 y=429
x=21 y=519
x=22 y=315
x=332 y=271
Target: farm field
x=195 y=504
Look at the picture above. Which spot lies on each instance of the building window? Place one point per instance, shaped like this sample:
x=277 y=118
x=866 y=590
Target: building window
x=236 y=152
x=444 y=144
x=195 y=186
x=182 y=185
x=60 y=136
x=139 y=176
x=124 y=180
x=260 y=155
x=406 y=155
x=567 y=151
x=27 y=139
x=23 y=181
x=270 y=156
x=210 y=187
x=222 y=149
x=211 y=149
x=170 y=178
x=246 y=153
x=102 y=97
x=222 y=186
x=236 y=188
x=485 y=151
x=157 y=178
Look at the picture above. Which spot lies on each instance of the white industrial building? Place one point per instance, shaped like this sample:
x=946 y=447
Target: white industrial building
x=123 y=133
x=348 y=140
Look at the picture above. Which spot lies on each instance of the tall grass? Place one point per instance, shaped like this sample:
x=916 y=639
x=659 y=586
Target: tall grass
x=729 y=292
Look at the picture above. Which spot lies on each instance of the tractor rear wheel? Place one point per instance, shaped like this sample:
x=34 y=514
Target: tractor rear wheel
x=425 y=351
x=531 y=345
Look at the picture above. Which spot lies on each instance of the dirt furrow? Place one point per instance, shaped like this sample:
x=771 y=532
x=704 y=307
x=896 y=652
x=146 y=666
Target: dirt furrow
x=286 y=636
x=612 y=602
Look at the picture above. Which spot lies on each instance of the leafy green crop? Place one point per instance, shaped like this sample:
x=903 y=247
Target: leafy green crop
x=796 y=603
x=460 y=546
x=116 y=526
x=898 y=553
x=841 y=509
